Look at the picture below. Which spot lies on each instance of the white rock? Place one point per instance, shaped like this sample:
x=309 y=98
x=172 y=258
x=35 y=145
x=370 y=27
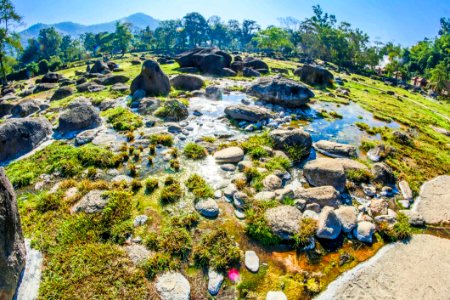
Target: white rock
x=252 y=261
x=173 y=286
x=215 y=280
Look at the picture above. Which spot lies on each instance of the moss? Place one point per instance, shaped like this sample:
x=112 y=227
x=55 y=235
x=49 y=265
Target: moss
x=194 y=151
x=296 y=153
x=358 y=175
x=278 y=163
x=151 y=184
x=68 y=160
x=209 y=139
x=218 y=250
x=185 y=220
x=198 y=186
x=176 y=241
x=401 y=230
x=164 y=139
x=135 y=185
x=122 y=119
x=171 y=193
x=257 y=141
x=257 y=227
x=48 y=201
x=159 y=263
x=175 y=164
x=307 y=230
x=258 y=152
x=172 y=110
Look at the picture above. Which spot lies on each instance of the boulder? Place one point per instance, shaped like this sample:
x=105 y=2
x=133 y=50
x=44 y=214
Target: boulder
x=93 y=202
x=90 y=87
x=215 y=280
x=207 y=60
x=5 y=108
x=226 y=72
x=325 y=171
x=61 y=93
x=328 y=227
x=433 y=202
x=315 y=75
x=25 y=108
x=284 y=221
x=152 y=80
x=51 y=77
x=229 y=155
x=323 y=195
x=364 y=231
x=334 y=149
x=251 y=261
x=207 y=208
x=382 y=173
x=112 y=79
x=255 y=64
x=173 y=286
x=347 y=217
x=237 y=66
x=148 y=105
x=99 y=67
x=285 y=139
x=272 y=182
x=19 y=136
x=187 y=82
x=213 y=93
x=248 y=72
x=42 y=87
x=247 y=113
x=12 y=250
x=281 y=91
x=79 y=116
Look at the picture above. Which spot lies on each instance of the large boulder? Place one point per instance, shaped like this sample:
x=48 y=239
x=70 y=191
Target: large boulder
x=229 y=155
x=12 y=249
x=347 y=217
x=152 y=80
x=187 y=82
x=433 y=202
x=79 y=116
x=19 y=136
x=207 y=60
x=61 y=93
x=173 y=286
x=284 y=221
x=25 y=108
x=42 y=87
x=5 y=108
x=325 y=171
x=323 y=195
x=315 y=75
x=51 y=77
x=288 y=139
x=281 y=91
x=247 y=113
x=99 y=67
x=328 y=227
x=334 y=149
x=112 y=79
x=256 y=64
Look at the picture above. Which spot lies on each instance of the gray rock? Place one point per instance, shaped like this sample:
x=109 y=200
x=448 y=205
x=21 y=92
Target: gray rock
x=61 y=93
x=281 y=91
x=207 y=208
x=347 y=217
x=137 y=253
x=247 y=113
x=25 y=108
x=414 y=218
x=265 y=195
x=140 y=220
x=314 y=75
x=229 y=155
x=378 y=207
x=324 y=196
x=228 y=167
x=92 y=202
x=78 y=117
x=285 y=139
x=276 y=295
x=12 y=250
x=85 y=137
x=173 y=286
x=284 y=221
x=433 y=202
x=122 y=178
x=406 y=190
x=364 y=231
x=152 y=80
x=215 y=280
x=272 y=182
x=328 y=226
x=214 y=93
x=313 y=207
x=187 y=82
x=383 y=173
x=334 y=149
x=325 y=171
x=252 y=261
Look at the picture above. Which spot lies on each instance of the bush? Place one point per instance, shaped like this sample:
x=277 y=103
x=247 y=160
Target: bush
x=55 y=63
x=151 y=184
x=194 y=151
x=171 y=193
x=159 y=263
x=185 y=220
x=48 y=201
x=278 y=163
x=198 y=186
x=164 y=139
x=218 y=250
x=122 y=119
x=176 y=241
x=401 y=230
x=258 y=152
x=135 y=185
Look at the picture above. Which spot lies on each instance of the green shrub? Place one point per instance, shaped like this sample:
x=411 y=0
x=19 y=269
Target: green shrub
x=159 y=263
x=218 y=250
x=307 y=230
x=278 y=163
x=198 y=186
x=122 y=119
x=151 y=184
x=172 y=110
x=401 y=230
x=176 y=241
x=257 y=227
x=296 y=153
x=135 y=185
x=194 y=151
x=258 y=152
x=185 y=220
x=171 y=193
x=358 y=175
x=257 y=141
x=164 y=139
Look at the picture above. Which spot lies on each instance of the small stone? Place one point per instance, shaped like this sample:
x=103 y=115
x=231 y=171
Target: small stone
x=272 y=182
x=240 y=214
x=265 y=195
x=328 y=226
x=378 y=207
x=207 y=208
x=228 y=167
x=369 y=190
x=406 y=190
x=315 y=207
x=364 y=231
x=229 y=155
x=278 y=295
x=404 y=203
x=215 y=280
x=347 y=217
x=173 y=286
x=252 y=261
x=140 y=220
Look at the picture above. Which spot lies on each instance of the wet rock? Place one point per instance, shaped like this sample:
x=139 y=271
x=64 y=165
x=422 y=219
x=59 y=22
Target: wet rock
x=152 y=80
x=347 y=217
x=328 y=227
x=247 y=113
x=378 y=207
x=285 y=139
x=276 y=295
x=315 y=75
x=229 y=191
x=85 y=137
x=334 y=149
x=405 y=190
x=148 y=105
x=214 y=93
x=207 y=208
x=19 y=136
x=281 y=91
x=323 y=195
x=252 y=261
x=93 y=202
x=325 y=171
x=229 y=155
x=383 y=173
x=79 y=116
x=25 y=108
x=61 y=93
x=215 y=280
x=187 y=82
x=433 y=202
x=12 y=250
x=272 y=182
x=364 y=231
x=284 y=221
x=228 y=167
x=173 y=286
x=240 y=214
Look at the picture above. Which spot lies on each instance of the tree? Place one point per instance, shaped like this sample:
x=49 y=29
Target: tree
x=9 y=40
x=440 y=76
x=170 y=35
x=50 y=41
x=248 y=32
x=218 y=32
x=31 y=53
x=273 y=38
x=196 y=29
x=144 y=39
x=123 y=37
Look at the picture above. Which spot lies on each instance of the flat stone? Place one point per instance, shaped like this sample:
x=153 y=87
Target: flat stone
x=325 y=172
x=228 y=167
x=324 y=196
x=173 y=286
x=207 y=208
x=265 y=195
x=334 y=149
x=252 y=261
x=433 y=202
x=229 y=155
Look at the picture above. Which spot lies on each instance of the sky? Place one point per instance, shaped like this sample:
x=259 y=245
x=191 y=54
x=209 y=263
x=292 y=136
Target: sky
x=400 y=21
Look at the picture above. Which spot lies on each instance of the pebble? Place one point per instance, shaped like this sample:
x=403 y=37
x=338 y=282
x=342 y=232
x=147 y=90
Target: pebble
x=252 y=261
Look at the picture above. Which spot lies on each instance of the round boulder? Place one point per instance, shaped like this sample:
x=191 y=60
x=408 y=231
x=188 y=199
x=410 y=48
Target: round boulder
x=152 y=80
x=229 y=155
x=187 y=82
x=284 y=221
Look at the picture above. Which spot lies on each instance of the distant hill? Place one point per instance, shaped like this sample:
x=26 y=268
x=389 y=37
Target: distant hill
x=139 y=21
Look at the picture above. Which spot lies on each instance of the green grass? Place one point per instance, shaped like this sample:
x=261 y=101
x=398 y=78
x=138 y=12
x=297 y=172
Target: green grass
x=122 y=119
x=68 y=160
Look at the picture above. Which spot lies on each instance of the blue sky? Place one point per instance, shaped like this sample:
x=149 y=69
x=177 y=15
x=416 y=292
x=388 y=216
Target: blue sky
x=399 y=21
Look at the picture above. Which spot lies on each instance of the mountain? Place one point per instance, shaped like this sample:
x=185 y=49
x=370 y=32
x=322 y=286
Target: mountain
x=139 y=21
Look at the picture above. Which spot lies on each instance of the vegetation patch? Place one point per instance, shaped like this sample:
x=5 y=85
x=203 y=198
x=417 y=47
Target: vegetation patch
x=164 y=139
x=198 y=186
x=257 y=227
x=122 y=119
x=171 y=192
x=194 y=151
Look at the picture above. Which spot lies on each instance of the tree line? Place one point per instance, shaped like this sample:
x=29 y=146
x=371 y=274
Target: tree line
x=317 y=37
